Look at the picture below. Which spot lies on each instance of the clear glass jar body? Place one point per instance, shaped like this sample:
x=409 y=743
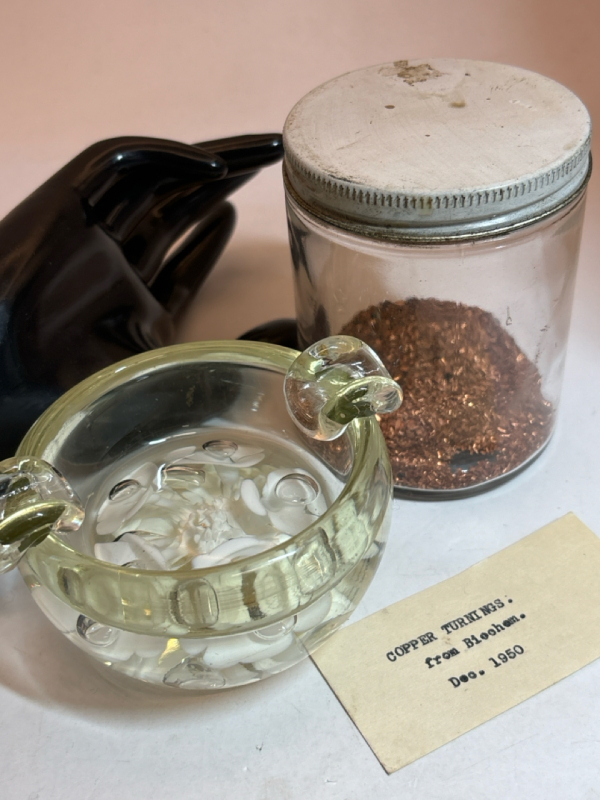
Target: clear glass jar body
x=225 y=625
x=474 y=330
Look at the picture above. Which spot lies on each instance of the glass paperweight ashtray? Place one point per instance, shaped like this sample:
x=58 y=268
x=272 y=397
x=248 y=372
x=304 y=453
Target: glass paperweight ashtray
x=188 y=523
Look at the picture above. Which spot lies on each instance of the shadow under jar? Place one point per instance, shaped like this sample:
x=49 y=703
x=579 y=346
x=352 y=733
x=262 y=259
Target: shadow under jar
x=187 y=416
x=435 y=212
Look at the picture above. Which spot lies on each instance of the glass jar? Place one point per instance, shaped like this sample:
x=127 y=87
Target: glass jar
x=187 y=411
x=435 y=211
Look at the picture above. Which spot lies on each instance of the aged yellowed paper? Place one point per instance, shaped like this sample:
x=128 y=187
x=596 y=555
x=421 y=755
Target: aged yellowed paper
x=427 y=669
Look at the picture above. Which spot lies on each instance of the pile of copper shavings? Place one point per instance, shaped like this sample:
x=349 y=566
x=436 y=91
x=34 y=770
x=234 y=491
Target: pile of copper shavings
x=473 y=408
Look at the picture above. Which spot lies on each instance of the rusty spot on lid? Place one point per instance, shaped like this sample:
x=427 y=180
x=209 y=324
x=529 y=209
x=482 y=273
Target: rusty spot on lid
x=415 y=74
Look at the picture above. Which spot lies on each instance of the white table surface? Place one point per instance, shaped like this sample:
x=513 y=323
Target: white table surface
x=74 y=73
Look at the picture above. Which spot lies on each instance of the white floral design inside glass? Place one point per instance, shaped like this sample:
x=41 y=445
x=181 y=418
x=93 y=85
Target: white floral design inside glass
x=220 y=543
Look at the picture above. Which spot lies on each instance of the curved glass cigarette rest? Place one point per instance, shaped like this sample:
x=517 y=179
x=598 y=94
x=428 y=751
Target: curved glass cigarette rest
x=172 y=519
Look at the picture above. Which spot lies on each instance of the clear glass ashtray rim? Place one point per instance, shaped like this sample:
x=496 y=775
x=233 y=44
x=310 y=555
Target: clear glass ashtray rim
x=70 y=408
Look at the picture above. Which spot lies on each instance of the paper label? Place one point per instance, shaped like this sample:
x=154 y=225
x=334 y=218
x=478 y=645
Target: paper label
x=425 y=670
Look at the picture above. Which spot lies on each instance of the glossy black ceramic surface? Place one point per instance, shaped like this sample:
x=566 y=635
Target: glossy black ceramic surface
x=97 y=264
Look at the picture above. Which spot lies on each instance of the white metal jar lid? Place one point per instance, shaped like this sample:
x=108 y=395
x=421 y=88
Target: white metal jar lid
x=436 y=150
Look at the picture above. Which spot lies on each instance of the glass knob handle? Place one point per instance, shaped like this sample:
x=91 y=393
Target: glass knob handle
x=335 y=381
x=35 y=500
